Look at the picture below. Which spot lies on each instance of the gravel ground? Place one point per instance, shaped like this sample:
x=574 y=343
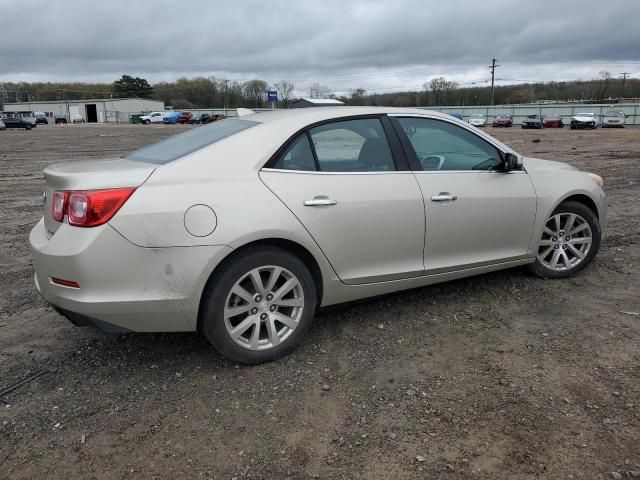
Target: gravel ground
x=498 y=376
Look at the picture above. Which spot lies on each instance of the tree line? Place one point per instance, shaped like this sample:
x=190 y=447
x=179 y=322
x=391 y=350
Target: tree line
x=212 y=92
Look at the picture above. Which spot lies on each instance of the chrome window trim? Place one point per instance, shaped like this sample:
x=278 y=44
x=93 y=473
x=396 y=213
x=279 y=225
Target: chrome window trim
x=311 y=172
x=405 y=172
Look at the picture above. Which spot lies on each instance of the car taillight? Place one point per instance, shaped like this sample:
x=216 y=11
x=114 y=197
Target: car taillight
x=59 y=206
x=89 y=208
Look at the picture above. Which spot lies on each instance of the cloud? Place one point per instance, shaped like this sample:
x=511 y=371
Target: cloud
x=375 y=44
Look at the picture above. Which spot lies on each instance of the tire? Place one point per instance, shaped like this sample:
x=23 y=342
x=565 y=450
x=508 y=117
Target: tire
x=258 y=312
x=146 y=122
x=571 y=261
x=28 y=127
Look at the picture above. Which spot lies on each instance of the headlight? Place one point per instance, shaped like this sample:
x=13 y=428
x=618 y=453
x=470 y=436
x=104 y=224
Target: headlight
x=597 y=179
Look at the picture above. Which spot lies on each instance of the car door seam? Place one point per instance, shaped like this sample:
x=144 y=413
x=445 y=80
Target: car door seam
x=303 y=226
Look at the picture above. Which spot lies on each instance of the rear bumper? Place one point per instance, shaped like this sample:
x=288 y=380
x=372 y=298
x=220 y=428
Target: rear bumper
x=80 y=320
x=122 y=286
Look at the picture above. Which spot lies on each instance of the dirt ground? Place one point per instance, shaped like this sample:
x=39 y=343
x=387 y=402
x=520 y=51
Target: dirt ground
x=497 y=376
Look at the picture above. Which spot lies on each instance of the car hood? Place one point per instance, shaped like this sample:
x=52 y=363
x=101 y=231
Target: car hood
x=539 y=164
x=583 y=118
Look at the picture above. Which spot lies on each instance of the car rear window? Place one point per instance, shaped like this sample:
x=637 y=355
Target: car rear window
x=182 y=144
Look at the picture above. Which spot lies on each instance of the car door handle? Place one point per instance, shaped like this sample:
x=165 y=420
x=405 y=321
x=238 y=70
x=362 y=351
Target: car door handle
x=319 y=202
x=443 y=197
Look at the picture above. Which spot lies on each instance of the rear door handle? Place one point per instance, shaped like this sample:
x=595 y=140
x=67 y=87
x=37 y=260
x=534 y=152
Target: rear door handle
x=443 y=197
x=319 y=202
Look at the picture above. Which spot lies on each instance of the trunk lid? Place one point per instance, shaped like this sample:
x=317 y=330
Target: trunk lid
x=91 y=175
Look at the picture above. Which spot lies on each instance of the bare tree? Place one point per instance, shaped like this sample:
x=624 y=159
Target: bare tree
x=285 y=90
x=358 y=96
x=603 y=85
x=255 y=92
x=320 y=91
x=442 y=90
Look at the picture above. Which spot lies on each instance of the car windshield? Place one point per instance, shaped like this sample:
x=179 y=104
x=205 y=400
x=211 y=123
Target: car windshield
x=476 y=116
x=532 y=116
x=585 y=114
x=182 y=144
x=613 y=113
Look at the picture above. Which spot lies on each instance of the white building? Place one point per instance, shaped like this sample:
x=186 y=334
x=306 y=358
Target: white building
x=113 y=110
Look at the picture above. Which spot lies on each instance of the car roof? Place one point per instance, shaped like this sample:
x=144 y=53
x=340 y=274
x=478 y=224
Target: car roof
x=306 y=116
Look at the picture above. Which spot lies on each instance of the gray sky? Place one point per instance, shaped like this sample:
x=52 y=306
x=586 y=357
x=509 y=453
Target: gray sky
x=377 y=45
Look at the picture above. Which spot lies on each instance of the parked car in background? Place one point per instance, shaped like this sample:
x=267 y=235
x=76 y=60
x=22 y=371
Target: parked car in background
x=197 y=119
x=532 y=121
x=552 y=122
x=171 y=118
x=41 y=118
x=205 y=118
x=584 y=120
x=153 y=117
x=456 y=115
x=478 y=120
x=59 y=119
x=503 y=120
x=185 y=117
x=19 y=122
x=613 y=118
x=161 y=241
x=2 y=125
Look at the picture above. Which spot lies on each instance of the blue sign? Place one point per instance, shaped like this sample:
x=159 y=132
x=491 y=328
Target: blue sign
x=272 y=96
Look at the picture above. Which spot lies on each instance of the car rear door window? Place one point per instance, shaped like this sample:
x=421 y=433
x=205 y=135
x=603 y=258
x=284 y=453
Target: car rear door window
x=298 y=156
x=441 y=145
x=352 y=146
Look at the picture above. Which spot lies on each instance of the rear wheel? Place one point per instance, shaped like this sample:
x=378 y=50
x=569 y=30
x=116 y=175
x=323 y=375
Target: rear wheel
x=570 y=239
x=258 y=307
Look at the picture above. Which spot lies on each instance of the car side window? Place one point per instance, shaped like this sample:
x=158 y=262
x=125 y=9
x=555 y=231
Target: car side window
x=352 y=146
x=441 y=145
x=298 y=156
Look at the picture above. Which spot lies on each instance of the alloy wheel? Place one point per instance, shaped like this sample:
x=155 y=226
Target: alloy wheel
x=264 y=307
x=566 y=241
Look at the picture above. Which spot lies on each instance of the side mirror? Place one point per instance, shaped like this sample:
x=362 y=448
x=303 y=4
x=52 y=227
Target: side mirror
x=512 y=162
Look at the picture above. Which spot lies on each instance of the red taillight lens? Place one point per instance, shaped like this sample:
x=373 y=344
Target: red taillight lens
x=59 y=206
x=91 y=208
x=88 y=208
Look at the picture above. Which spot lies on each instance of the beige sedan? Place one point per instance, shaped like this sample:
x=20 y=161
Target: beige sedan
x=242 y=228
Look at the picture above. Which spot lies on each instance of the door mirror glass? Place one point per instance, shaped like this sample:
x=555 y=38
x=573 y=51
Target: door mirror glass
x=512 y=162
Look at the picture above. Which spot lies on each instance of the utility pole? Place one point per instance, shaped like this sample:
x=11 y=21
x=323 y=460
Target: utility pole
x=493 y=67
x=624 y=76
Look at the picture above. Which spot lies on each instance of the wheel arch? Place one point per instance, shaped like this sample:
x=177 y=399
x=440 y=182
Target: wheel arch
x=287 y=245
x=584 y=200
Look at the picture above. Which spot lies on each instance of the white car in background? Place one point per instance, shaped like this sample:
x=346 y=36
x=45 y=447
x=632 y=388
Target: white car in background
x=478 y=120
x=584 y=120
x=613 y=118
x=153 y=117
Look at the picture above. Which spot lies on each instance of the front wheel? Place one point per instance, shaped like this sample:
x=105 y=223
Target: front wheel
x=259 y=305
x=570 y=240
